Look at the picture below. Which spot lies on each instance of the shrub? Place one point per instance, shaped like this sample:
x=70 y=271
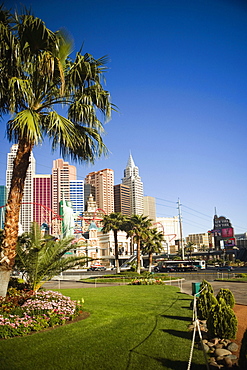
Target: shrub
x=205 y=301
x=222 y=321
x=227 y=295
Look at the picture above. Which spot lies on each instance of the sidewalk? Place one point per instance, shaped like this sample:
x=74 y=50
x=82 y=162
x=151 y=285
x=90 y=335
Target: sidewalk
x=238 y=289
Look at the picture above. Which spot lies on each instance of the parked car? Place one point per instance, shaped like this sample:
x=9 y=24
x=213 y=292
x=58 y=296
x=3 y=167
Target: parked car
x=96 y=268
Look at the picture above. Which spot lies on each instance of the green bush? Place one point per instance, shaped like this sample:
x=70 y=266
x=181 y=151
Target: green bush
x=227 y=295
x=222 y=321
x=241 y=275
x=205 y=301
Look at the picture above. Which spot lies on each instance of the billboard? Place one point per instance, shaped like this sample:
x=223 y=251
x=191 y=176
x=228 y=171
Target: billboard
x=227 y=233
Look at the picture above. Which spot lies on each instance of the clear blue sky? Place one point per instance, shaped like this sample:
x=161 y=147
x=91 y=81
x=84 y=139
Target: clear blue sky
x=178 y=73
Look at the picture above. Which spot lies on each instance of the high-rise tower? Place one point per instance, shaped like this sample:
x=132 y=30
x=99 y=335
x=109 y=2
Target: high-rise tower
x=26 y=214
x=77 y=196
x=103 y=181
x=62 y=174
x=133 y=180
x=122 y=199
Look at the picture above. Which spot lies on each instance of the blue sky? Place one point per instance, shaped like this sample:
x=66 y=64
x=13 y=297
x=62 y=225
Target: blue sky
x=178 y=74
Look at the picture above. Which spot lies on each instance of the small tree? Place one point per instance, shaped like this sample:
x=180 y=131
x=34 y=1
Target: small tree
x=39 y=259
x=152 y=244
x=222 y=321
x=206 y=300
x=227 y=295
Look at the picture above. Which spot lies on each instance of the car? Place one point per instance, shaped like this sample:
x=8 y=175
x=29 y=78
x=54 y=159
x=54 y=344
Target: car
x=96 y=268
x=225 y=268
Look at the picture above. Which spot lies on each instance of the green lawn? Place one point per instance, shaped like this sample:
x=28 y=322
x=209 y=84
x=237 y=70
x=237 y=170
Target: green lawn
x=130 y=327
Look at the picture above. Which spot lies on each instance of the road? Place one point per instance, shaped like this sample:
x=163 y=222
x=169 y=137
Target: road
x=238 y=289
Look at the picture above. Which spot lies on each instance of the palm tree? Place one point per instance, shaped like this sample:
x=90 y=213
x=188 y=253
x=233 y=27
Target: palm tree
x=37 y=75
x=138 y=226
x=190 y=248
x=153 y=244
x=40 y=259
x=114 y=222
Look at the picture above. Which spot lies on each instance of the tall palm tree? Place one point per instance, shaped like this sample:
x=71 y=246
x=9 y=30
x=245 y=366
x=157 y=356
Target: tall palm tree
x=189 y=248
x=39 y=258
x=114 y=222
x=138 y=226
x=153 y=244
x=37 y=75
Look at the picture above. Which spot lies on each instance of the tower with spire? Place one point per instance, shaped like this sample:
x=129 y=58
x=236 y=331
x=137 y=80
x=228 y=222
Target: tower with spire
x=133 y=180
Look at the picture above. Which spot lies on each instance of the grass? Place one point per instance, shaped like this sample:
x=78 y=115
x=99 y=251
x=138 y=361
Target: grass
x=129 y=328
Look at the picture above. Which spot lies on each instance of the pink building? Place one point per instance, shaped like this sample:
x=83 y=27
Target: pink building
x=42 y=199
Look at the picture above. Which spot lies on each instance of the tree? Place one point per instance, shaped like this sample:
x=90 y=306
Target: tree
x=190 y=248
x=37 y=75
x=227 y=295
x=222 y=321
x=153 y=244
x=114 y=222
x=138 y=226
x=206 y=300
x=41 y=258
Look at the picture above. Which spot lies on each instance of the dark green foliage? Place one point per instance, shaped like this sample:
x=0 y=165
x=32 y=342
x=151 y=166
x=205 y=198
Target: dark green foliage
x=222 y=321
x=243 y=353
x=40 y=258
x=227 y=295
x=205 y=301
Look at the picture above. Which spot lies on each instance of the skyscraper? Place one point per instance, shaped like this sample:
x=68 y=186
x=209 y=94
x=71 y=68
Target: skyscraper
x=62 y=174
x=26 y=214
x=77 y=196
x=3 y=201
x=103 y=181
x=133 y=180
x=122 y=199
x=42 y=199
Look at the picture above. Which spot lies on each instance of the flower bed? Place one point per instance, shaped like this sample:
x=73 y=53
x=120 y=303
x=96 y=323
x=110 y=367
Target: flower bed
x=25 y=312
x=147 y=282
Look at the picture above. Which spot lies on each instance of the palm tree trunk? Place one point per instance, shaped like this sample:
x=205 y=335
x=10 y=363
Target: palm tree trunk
x=116 y=252
x=138 y=270
x=150 y=262
x=10 y=232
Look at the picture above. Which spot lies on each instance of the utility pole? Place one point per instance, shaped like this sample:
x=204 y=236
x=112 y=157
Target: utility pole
x=181 y=244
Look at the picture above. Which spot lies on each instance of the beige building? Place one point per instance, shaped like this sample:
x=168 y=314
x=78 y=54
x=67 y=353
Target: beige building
x=149 y=207
x=103 y=181
x=170 y=227
x=62 y=174
x=201 y=241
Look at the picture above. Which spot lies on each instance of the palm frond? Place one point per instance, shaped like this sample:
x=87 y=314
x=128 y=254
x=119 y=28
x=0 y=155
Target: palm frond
x=25 y=125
